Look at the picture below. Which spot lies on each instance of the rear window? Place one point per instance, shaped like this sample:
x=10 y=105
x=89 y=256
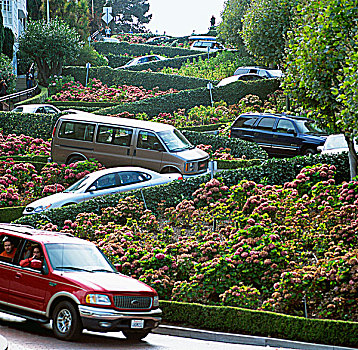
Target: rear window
x=76 y=131
x=245 y=121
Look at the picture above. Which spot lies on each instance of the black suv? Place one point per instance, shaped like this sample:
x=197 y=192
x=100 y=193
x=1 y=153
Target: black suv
x=279 y=134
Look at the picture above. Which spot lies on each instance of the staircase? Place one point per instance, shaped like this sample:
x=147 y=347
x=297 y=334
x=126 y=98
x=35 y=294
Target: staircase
x=21 y=83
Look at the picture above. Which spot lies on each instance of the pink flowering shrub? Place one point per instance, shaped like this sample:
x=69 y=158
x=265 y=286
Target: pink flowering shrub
x=241 y=296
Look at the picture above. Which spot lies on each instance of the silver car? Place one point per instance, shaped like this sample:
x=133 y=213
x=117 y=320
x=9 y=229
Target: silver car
x=37 y=108
x=100 y=183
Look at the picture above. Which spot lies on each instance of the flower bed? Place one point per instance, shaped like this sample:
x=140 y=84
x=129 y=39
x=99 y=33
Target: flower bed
x=21 y=183
x=251 y=245
x=97 y=91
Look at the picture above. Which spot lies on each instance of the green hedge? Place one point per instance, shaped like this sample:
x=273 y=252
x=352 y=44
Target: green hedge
x=10 y=214
x=272 y=171
x=37 y=161
x=76 y=104
x=34 y=125
x=203 y=128
x=39 y=98
x=231 y=94
x=237 y=163
x=140 y=49
x=115 y=61
x=261 y=323
x=176 y=62
x=148 y=80
x=238 y=147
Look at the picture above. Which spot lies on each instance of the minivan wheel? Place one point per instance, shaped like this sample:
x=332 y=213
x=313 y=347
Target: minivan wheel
x=135 y=335
x=74 y=159
x=309 y=151
x=67 y=324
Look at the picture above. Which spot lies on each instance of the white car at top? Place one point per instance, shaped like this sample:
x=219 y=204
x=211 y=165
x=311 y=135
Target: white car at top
x=100 y=183
x=37 y=108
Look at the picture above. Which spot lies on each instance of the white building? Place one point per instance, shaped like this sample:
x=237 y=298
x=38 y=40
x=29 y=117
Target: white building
x=14 y=15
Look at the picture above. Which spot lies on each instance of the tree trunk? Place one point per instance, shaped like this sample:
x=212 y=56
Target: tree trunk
x=353 y=159
x=43 y=72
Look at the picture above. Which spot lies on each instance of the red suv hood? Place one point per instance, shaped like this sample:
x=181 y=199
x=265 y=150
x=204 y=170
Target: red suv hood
x=107 y=282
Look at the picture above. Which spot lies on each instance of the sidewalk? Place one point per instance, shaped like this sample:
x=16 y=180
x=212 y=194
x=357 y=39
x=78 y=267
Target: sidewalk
x=241 y=339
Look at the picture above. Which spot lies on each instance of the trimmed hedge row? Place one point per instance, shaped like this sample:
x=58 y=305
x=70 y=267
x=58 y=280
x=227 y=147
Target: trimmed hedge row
x=238 y=147
x=10 y=214
x=140 y=49
x=235 y=164
x=39 y=98
x=203 y=128
x=34 y=125
x=147 y=80
x=261 y=323
x=272 y=171
x=37 y=161
x=115 y=61
x=187 y=99
x=176 y=62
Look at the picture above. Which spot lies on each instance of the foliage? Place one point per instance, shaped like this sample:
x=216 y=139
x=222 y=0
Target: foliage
x=231 y=25
x=2 y=34
x=221 y=66
x=96 y=91
x=33 y=9
x=88 y=54
x=8 y=44
x=6 y=73
x=49 y=58
x=265 y=27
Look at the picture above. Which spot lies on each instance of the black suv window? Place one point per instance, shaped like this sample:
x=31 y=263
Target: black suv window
x=245 y=121
x=285 y=126
x=266 y=124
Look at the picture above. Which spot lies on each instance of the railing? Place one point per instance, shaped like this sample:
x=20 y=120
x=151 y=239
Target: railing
x=16 y=95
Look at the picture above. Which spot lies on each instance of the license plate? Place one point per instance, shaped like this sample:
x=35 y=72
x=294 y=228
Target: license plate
x=137 y=323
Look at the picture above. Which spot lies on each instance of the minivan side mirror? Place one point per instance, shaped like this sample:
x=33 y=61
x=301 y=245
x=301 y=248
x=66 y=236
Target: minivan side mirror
x=92 y=188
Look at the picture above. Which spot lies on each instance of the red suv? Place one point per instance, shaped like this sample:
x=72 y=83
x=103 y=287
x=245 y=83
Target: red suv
x=52 y=276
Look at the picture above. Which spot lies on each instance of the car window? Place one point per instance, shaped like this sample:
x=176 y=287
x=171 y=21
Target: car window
x=253 y=70
x=115 y=136
x=50 y=110
x=149 y=140
x=266 y=124
x=10 y=248
x=308 y=127
x=40 y=110
x=132 y=177
x=263 y=73
x=104 y=182
x=18 y=109
x=76 y=131
x=245 y=121
x=285 y=126
x=31 y=251
x=240 y=71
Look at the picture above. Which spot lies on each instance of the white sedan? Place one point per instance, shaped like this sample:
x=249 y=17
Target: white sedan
x=99 y=183
x=143 y=59
x=335 y=144
x=37 y=108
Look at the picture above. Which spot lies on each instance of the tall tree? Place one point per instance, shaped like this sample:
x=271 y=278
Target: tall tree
x=33 y=9
x=231 y=25
x=8 y=45
x=264 y=29
x=321 y=65
x=49 y=45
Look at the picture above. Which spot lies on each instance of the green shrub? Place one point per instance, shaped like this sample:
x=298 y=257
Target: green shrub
x=272 y=171
x=10 y=214
x=39 y=98
x=6 y=73
x=237 y=163
x=147 y=80
x=88 y=54
x=231 y=94
x=115 y=61
x=140 y=49
x=8 y=44
x=203 y=128
x=261 y=323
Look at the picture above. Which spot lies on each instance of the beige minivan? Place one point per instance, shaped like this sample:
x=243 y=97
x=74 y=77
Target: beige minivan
x=117 y=141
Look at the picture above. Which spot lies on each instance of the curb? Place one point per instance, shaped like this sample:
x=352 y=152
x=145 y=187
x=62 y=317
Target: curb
x=241 y=339
x=3 y=343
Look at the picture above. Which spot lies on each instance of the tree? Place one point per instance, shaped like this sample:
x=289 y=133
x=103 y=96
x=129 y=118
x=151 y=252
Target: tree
x=49 y=45
x=321 y=65
x=8 y=45
x=231 y=25
x=33 y=9
x=264 y=29
x=1 y=31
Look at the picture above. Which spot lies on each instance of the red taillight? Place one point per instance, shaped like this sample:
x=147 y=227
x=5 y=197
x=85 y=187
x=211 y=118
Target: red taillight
x=229 y=133
x=53 y=131
x=180 y=178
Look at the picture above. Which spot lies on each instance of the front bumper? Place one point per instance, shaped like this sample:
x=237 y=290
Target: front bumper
x=110 y=320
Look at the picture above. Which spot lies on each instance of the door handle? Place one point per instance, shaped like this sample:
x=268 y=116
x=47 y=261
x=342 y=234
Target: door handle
x=134 y=153
x=18 y=275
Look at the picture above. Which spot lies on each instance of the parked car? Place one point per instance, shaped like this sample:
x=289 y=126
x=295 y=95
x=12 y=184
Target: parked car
x=125 y=142
x=110 y=40
x=143 y=59
x=207 y=45
x=279 y=134
x=71 y=282
x=242 y=77
x=336 y=144
x=157 y=39
x=37 y=108
x=100 y=183
x=264 y=72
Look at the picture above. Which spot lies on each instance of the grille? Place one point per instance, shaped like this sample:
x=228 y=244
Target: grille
x=130 y=302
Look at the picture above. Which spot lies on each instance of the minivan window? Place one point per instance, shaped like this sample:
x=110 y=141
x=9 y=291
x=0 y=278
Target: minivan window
x=149 y=140
x=175 y=140
x=308 y=127
x=115 y=136
x=245 y=121
x=76 y=131
x=285 y=126
x=266 y=124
